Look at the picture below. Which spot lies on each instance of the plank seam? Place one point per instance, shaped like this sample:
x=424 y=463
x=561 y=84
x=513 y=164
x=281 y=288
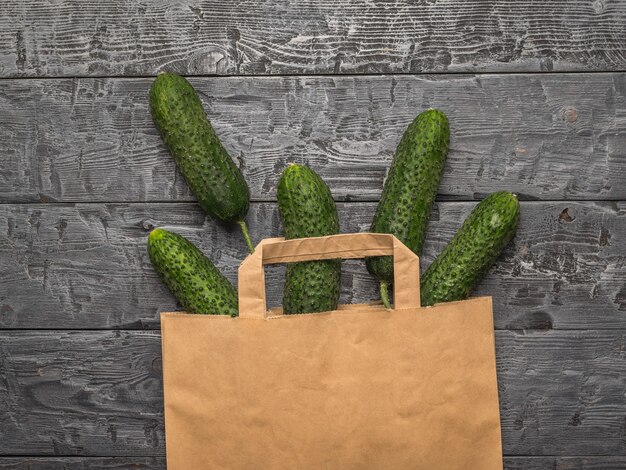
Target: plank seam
x=157 y=328
x=273 y=201
x=313 y=75
x=114 y=456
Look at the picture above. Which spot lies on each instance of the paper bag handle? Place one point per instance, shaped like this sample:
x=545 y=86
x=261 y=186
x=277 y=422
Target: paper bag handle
x=252 y=301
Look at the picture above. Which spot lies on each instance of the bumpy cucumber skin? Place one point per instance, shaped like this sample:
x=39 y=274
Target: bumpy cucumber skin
x=411 y=187
x=467 y=258
x=209 y=171
x=193 y=279
x=307 y=209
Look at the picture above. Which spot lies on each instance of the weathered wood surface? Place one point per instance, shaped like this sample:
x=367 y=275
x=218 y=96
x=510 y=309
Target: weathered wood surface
x=546 y=136
x=85 y=265
x=342 y=36
x=155 y=463
x=100 y=393
x=564 y=463
x=93 y=399
x=90 y=463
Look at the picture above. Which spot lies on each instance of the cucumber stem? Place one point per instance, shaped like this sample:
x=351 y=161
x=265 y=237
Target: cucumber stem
x=384 y=294
x=246 y=235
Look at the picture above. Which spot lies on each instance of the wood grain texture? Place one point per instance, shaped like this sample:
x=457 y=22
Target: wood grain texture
x=564 y=463
x=68 y=37
x=85 y=265
x=83 y=463
x=543 y=136
x=156 y=463
x=93 y=399
x=81 y=393
x=100 y=393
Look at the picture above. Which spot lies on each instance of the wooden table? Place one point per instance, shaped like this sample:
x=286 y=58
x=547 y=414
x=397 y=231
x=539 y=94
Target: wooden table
x=536 y=96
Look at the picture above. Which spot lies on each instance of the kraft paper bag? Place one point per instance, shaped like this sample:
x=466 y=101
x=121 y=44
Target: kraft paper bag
x=357 y=388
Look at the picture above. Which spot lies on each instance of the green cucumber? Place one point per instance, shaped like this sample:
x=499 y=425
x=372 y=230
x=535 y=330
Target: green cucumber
x=410 y=190
x=209 y=171
x=195 y=282
x=467 y=258
x=307 y=209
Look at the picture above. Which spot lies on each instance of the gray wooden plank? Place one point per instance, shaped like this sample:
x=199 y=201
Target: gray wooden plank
x=545 y=137
x=561 y=388
x=154 y=463
x=100 y=393
x=81 y=393
x=40 y=38
x=82 y=463
x=564 y=463
x=85 y=265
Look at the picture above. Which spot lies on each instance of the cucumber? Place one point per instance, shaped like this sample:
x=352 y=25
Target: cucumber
x=467 y=258
x=307 y=209
x=410 y=190
x=207 y=168
x=195 y=282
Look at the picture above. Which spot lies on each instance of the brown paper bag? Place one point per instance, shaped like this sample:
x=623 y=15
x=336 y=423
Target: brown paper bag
x=356 y=388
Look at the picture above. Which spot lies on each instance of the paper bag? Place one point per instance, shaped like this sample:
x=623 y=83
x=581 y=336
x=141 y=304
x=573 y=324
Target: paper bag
x=357 y=388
